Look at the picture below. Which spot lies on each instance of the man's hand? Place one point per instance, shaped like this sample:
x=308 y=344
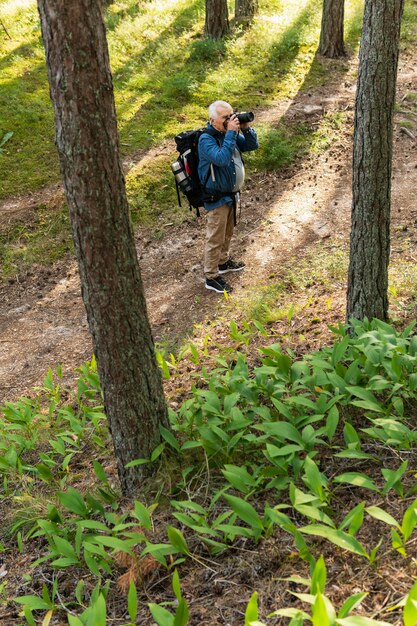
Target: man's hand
x=233 y=123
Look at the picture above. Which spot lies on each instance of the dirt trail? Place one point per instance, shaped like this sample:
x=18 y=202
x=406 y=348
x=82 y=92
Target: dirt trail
x=42 y=317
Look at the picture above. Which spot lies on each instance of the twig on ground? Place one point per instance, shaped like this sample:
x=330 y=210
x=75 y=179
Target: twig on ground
x=5 y=29
x=407 y=132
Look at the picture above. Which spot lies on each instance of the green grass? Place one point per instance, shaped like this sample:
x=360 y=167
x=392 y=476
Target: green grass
x=165 y=75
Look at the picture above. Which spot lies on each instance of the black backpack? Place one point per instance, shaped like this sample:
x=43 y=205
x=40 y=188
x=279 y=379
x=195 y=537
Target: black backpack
x=185 y=168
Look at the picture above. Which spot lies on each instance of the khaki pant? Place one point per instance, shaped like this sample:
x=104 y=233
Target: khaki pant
x=219 y=231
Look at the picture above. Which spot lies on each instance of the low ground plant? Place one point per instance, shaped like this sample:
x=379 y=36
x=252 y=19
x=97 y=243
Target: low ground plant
x=255 y=453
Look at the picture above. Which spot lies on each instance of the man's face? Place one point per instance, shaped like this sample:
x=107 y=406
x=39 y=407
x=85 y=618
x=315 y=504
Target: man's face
x=223 y=115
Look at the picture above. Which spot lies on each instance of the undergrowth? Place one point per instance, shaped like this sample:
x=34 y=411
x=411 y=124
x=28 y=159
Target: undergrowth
x=311 y=453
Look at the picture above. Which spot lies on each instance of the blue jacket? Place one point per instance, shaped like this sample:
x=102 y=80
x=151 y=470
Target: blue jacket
x=217 y=148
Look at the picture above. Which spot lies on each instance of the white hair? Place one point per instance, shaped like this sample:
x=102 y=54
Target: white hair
x=214 y=106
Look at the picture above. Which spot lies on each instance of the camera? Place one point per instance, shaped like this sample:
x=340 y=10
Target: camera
x=245 y=117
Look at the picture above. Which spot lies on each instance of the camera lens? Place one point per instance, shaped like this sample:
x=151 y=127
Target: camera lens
x=245 y=117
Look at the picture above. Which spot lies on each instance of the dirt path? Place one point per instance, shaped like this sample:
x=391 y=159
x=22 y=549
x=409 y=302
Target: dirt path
x=42 y=319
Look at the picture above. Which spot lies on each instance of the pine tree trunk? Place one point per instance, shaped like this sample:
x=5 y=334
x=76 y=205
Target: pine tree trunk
x=86 y=136
x=217 y=19
x=331 y=36
x=245 y=10
x=372 y=160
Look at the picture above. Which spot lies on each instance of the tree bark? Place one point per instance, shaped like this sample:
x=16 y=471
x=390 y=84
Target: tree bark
x=372 y=161
x=217 y=19
x=86 y=135
x=245 y=10
x=331 y=36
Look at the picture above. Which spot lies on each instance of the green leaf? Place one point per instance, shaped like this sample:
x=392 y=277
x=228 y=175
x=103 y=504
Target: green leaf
x=161 y=615
x=318 y=579
x=98 y=615
x=313 y=477
x=157 y=452
x=169 y=438
x=136 y=462
x=73 y=620
x=251 y=613
x=100 y=472
x=383 y=516
x=73 y=501
x=353 y=519
x=245 y=511
x=64 y=547
x=410 y=608
x=33 y=602
x=351 y=603
x=142 y=514
x=132 y=601
x=357 y=479
x=181 y=614
x=358 y=620
x=176 y=585
x=322 y=611
x=409 y=520
x=177 y=540
x=114 y=542
x=338 y=537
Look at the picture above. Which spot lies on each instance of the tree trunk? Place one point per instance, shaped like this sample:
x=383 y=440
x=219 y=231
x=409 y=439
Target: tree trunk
x=86 y=136
x=331 y=36
x=372 y=161
x=245 y=10
x=217 y=19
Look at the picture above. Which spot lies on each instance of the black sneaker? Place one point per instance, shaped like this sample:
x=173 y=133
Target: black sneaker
x=218 y=284
x=231 y=266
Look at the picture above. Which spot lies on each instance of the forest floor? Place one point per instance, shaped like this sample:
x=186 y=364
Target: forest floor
x=290 y=220
x=286 y=216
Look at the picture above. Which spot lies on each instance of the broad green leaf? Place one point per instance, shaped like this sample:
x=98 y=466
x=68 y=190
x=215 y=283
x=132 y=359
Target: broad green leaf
x=323 y=612
x=177 y=540
x=358 y=620
x=100 y=472
x=114 y=542
x=181 y=614
x=410 y=608
x=409 y=520
x=338 y=537
x=64 y=547
x=368 y=400
x=33 y=602
x=132 y=601
x=176 y=585
x=73 y=501
x=169 y=438
x=383 y=516
x=393 y=477
x=245 y=511
x=351 y=603
x=318 y=579
x=157 y=452
x=353 y=519
x=313 y=477
x=251 y=613
x=161 y=615
x=142 y=514
x=357 y=479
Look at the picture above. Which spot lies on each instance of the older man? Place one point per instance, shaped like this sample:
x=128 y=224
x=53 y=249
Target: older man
x=222 y=172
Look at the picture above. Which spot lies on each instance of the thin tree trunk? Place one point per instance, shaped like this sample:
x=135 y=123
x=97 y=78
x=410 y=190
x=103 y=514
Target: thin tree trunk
x=245 y=10
x=372 y=160
x=331 y=36
x=86 y=136
x=217 y=19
